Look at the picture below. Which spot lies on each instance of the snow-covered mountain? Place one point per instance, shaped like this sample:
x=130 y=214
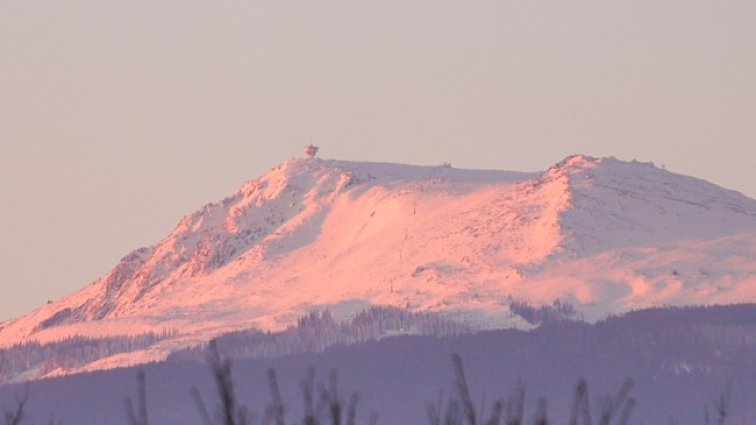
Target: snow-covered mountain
x=604 y=235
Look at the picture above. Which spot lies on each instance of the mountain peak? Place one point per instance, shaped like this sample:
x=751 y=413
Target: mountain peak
x=578 y=161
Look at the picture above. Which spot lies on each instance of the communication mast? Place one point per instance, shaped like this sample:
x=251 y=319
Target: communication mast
x=311 y=151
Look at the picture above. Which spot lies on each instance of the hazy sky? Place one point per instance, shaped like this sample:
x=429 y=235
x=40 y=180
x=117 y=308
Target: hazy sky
x=119 y=117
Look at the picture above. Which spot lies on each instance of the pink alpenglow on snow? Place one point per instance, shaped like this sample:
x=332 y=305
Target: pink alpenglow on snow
x=604 y=235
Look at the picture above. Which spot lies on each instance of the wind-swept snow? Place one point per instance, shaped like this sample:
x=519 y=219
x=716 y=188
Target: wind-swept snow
x=602 y=234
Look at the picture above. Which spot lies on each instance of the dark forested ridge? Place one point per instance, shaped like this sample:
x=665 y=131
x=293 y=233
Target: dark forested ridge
x=681 y=361
x=32 y=359
x=313 y=333
x=319 y=330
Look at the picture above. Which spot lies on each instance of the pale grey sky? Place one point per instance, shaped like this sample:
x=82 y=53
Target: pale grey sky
x=119 y=117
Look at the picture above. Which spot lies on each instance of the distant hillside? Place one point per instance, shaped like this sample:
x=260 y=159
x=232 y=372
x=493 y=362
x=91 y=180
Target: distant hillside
x=312 y=334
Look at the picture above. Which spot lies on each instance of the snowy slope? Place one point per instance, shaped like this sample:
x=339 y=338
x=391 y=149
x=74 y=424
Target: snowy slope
x=605 y=235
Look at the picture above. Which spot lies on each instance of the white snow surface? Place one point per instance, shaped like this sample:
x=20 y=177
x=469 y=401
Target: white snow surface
x=605 y=235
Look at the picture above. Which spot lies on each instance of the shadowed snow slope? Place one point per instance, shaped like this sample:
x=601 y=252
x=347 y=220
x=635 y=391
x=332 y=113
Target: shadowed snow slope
x=605 y=235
